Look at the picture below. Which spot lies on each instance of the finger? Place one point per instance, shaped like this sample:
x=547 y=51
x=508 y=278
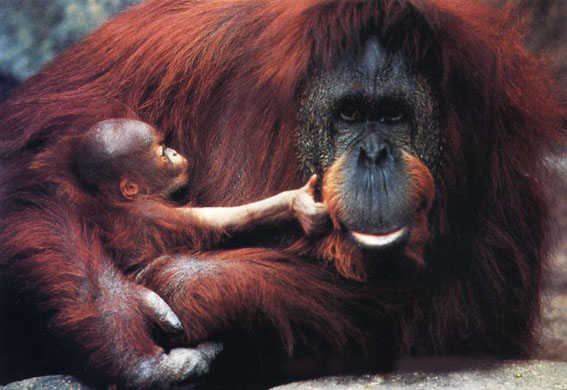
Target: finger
x=210 y=350
x=185 y=363
x=311 y=185
x=160 y=313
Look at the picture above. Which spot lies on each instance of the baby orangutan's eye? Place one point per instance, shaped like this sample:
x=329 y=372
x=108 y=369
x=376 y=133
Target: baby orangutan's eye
x=162 y=150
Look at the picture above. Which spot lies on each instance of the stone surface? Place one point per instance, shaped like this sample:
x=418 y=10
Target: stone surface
x=510 y=375
x=54 y=382
x=553 y=337
x=531 y=375
x=33 y=31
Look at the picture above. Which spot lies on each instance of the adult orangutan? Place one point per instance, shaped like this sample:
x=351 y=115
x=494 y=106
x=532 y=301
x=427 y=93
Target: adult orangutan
x=427 y=121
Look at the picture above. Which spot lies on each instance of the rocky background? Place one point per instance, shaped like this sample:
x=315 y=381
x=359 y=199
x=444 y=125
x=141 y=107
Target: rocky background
x=33 y=31
x=547 y=21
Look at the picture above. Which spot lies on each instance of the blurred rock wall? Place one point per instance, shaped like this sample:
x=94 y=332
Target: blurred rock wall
x=33 y=31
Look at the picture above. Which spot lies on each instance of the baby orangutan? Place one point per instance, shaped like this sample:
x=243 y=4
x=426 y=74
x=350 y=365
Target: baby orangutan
x=131 y=173
x=118 y=186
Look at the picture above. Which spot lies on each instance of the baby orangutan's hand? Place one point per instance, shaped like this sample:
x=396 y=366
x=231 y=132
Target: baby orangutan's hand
x=313 y=216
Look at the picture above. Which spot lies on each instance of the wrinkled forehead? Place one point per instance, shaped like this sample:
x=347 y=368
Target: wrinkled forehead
x=375 y=71
x=123 y=136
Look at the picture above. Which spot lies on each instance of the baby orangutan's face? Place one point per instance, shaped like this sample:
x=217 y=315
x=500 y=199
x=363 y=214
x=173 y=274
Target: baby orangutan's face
x=146 y=164
x=170 y=169
x=132 y=152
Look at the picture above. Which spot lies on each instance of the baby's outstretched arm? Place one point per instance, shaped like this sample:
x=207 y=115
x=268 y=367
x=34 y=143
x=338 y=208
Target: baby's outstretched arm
x=300 y=204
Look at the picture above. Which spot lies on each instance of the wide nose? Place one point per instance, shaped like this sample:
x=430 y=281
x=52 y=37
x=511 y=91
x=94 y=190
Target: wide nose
x=373 y=151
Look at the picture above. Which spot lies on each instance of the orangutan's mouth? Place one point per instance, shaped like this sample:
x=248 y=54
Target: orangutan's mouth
x=376 y=241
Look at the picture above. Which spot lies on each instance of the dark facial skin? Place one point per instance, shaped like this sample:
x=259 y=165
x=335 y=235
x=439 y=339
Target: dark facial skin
x=167 y=171
x=129 y=154
x=365 y=113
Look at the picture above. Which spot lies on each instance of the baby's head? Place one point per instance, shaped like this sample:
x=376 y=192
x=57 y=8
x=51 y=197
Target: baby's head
x=128 y=156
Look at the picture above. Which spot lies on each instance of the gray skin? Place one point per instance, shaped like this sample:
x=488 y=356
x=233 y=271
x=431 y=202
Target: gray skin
x=366 y=110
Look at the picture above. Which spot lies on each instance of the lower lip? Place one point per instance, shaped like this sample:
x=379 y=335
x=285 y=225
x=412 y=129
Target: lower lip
x=378 y=241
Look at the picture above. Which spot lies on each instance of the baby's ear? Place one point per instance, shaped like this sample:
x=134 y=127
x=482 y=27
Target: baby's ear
x=129 y=189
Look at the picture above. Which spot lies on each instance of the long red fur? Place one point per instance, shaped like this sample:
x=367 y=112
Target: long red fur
x=220 y=79
x=263 y=283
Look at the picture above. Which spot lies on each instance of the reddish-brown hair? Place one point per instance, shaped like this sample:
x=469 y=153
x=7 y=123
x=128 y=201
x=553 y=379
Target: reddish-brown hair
x=220 y=79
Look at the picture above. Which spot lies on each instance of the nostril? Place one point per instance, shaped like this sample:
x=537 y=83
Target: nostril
x=382 y=154
x=363 y=155
x=373 y=153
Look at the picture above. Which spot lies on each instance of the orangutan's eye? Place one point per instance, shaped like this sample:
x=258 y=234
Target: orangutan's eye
x=392 y=113
x=350 y=113
x=351 y=109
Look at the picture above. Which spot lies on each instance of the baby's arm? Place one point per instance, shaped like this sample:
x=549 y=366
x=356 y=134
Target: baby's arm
x=300 y=204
